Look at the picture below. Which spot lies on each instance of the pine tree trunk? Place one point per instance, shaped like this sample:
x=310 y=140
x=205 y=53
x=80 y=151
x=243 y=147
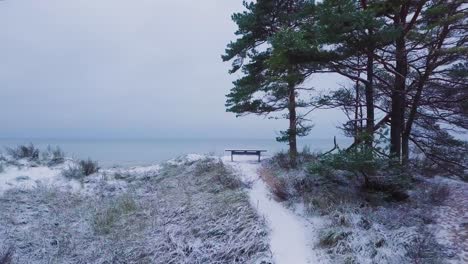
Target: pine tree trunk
x=398 y=100
x=370 y=118
x=357 y=128
x=405 y=149
x=292 y=127
x=409 y=124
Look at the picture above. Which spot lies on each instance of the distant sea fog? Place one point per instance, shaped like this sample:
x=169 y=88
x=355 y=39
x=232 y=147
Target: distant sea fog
x=138 y=152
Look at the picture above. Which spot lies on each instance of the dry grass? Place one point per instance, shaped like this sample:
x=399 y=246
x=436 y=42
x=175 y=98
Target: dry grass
x=277 y=185
x=219 y=172
x=173 y=216
x=438 y=194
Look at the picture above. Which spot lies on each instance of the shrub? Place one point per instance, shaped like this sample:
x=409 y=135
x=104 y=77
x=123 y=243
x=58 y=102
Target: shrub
x=54 y=156
x=82 y=169
x=24 y=152
x=73 y=172
x=282 y=160
x=359 y=162
x=6 y=256
x=306 y=156
x=89 y=166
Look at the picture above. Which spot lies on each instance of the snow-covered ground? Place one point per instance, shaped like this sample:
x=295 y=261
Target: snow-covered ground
x=292 y=237
x=451 y=219
x=181 y=211
x=186 y=212
x=30 y=177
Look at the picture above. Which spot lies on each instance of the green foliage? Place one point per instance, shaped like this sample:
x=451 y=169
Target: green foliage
x=270 y=43
x=301 y=131
x=359 y=161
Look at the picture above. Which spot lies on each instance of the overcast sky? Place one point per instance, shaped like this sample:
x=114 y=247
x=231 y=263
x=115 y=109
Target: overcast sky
x=123 y=69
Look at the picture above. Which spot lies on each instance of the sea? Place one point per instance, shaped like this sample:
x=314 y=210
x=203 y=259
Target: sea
x=141 y=152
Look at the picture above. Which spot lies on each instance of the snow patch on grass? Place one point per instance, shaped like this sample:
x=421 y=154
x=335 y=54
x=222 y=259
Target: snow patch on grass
x=156 y=214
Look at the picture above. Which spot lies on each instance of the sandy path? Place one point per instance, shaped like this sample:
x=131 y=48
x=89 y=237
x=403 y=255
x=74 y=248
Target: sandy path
x=289 y=242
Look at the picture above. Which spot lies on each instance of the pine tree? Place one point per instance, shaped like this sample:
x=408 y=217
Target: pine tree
x=271 y=77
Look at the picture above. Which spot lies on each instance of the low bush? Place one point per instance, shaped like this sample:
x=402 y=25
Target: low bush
x=89 y=166
x=73 y=172
x=361 y=163
x=281 y=159
x=306 y=156
x=6 y=256
x=53 y=156
x=29 y=152
x=82 y=169
x=375 y=173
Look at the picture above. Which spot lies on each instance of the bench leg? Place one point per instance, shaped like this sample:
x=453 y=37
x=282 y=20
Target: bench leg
x=259 y=157
x=232 y=159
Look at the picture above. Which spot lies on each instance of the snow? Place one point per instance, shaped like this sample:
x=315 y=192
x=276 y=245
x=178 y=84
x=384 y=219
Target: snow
x=452 y=218
x=144 y=169
x=30 y=177
x=291 y=236
x=189 y=158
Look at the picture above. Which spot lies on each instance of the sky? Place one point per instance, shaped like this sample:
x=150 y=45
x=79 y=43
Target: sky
x=125 y=69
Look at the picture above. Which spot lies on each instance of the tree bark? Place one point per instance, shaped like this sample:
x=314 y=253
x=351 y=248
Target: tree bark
x=409 y=124
x=292 y=132
x=370 y=118
x=397 y=114
x=357 y=128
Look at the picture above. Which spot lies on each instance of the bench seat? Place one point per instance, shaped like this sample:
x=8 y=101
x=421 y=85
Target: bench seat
x=256 y=152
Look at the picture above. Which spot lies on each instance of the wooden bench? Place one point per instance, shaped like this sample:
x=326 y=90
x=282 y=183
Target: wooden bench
x=256 y=152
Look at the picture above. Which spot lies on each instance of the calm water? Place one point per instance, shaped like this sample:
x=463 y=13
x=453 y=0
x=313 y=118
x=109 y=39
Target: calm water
x=133 y=152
